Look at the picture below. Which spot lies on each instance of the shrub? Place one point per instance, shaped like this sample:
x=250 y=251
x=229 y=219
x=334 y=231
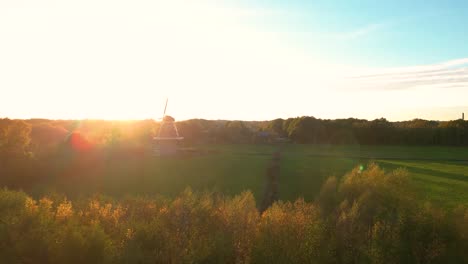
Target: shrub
x=368 y=216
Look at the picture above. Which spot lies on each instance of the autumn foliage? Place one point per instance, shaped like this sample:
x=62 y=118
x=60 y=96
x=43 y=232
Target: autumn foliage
x=368 y=216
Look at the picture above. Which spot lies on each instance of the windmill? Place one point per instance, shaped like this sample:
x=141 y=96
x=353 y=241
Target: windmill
x=168 y=137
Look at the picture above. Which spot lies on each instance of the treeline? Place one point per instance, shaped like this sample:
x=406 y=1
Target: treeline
x=310 y=130
x=376 y=132
x=368 y=216
x=40 y=136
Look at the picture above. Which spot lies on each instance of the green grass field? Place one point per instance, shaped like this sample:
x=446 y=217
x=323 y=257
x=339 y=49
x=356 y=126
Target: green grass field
x=439 y=174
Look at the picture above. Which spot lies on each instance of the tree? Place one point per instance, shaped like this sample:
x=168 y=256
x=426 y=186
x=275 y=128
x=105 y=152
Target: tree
x=307 y=130
x=15 y=137
x=46 y=136
x=236 y=131
x=276 y=126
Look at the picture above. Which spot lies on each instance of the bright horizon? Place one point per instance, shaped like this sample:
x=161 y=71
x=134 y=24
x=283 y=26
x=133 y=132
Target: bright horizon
x=243 y=60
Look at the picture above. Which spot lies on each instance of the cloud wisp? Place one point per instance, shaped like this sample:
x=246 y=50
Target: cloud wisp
x=361 y=32
x=448 y=74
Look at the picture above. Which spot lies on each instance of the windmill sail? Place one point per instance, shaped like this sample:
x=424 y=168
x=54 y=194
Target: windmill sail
x=165 y=107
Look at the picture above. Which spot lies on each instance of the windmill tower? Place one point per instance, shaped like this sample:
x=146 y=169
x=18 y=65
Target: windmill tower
x=168 y=138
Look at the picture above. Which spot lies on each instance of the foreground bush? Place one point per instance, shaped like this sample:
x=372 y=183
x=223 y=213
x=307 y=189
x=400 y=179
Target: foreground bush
x=369 y=216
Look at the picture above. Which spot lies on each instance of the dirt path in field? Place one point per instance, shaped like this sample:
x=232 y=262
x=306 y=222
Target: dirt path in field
x=271 y=194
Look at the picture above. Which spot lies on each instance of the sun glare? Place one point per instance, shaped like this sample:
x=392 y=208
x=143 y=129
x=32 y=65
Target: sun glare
x=216 y=60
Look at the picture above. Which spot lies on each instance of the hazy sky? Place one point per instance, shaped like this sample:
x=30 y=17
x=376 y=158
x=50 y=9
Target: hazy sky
x=252 y=60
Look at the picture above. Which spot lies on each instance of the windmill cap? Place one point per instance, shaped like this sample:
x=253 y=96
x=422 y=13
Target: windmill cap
x=168 y=118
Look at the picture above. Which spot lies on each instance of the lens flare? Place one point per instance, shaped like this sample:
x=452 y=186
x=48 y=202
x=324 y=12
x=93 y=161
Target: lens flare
x=78 y=142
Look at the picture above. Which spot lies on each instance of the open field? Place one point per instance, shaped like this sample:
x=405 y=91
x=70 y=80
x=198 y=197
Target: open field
x=440 y=174
x=228 y=169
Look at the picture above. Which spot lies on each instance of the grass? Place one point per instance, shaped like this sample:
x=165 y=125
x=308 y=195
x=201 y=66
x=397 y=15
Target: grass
x=444 y=183
x=227 y=169
x=438 y=173
x=226 y=172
